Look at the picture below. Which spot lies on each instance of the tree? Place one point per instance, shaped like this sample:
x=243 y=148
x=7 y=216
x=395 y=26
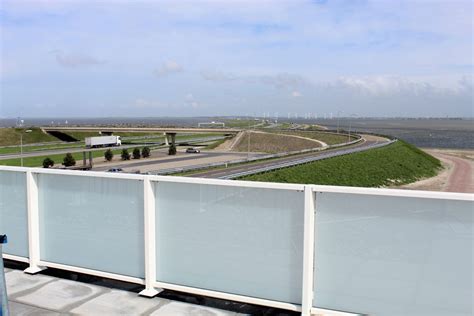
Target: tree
x=125 y=155
x=146 y=152
x=48 y=162
x=136 y=153
x=108 y=155
x=172 y=150
x=69 y=160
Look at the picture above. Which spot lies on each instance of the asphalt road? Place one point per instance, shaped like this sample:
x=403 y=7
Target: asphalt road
x=222 y=173
x=61 y=151
x=178 y=158
x=64 y=151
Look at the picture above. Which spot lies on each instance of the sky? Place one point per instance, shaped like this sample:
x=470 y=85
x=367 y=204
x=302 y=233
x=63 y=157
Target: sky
x=113 y=58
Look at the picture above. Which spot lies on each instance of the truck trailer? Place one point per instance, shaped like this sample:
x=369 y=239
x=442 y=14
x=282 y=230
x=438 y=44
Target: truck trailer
x=103 y=141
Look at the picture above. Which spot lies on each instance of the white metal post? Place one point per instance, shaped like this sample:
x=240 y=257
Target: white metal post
x=21 y=149
x=149 y=229
x=308 y=251
x=33 y=224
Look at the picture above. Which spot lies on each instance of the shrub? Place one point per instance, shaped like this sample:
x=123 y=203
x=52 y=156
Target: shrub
x=136 y=153
x=146 y=152
x=69 y=160
x=108 y=155
x=125 y=155
x=48 y=162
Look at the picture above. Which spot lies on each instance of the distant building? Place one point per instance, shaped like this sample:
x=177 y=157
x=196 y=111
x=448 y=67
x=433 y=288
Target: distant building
x=211 y=124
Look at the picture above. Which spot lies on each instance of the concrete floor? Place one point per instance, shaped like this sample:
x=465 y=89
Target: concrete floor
x=46 y=295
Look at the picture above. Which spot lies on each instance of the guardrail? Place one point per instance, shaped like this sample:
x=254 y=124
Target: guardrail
x=308 y=248
x=250 y=159
x=304 y=160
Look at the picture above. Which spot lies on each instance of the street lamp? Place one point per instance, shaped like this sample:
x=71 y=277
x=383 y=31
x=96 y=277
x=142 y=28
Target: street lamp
x=338 y=114
x=21 y=145
x=350 y=123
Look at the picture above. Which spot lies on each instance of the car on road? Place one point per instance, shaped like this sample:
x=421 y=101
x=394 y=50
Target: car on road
x=192 y=150
x=115 y=170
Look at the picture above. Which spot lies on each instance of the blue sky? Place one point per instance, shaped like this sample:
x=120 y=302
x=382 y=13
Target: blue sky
x=187 y=58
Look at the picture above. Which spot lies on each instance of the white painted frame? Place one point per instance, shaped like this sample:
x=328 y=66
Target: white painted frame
x=153 y=287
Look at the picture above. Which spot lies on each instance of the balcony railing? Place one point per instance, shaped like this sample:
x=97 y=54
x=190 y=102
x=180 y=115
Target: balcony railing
x=305 y=248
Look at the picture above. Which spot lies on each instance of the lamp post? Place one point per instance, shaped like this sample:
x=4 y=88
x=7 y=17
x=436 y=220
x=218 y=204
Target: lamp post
x=21 y=145
x=350 y=124
x=248 y=141
x=338 y=114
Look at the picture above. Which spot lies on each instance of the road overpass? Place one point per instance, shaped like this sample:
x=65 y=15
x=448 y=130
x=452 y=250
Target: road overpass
x=167 y=130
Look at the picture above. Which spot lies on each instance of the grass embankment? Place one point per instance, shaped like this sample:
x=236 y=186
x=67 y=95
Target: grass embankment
x=139 y=136
x=244 y=123
x=396 y=164
x=11 y=136
x=58 y=159
x=328 y=138
x=17 y=149
x=272 y=143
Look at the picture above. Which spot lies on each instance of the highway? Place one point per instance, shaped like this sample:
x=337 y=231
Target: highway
x=171 y=130
x=259 y=167
x=192 y=158
x=64 y=151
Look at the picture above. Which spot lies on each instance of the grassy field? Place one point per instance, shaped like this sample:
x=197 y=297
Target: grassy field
x=17 y=150
x=395 y=164
x=273 y=143
x=244 y=123
x=11 y=136
x=58 y=159
x=328 y=138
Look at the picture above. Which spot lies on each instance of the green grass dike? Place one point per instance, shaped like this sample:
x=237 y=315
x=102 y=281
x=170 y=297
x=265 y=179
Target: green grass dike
x=395 y=164
x=11 y=136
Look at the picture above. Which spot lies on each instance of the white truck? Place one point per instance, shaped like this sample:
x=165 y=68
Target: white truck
x=103 y=141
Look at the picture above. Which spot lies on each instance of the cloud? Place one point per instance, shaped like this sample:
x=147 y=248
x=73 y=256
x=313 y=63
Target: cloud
x=284 y=80
x=76 y=60
x=296 y=94
x=218 y=76
x=190 y=101
x=147 y=104
x=167 y=68
x=278 y=81
x=391 y=85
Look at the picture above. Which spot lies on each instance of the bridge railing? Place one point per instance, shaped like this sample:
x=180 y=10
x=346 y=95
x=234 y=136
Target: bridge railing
x=299 y=247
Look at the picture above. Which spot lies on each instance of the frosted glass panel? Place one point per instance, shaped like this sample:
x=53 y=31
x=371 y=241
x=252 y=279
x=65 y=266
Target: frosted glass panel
x=393 y=255
x=237 y=240
x=13 y=212
x=92 y=222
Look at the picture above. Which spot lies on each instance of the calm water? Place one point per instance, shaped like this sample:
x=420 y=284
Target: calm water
x=430 y=133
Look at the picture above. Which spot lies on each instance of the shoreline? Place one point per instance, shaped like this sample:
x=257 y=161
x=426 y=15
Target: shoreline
x=456 y=175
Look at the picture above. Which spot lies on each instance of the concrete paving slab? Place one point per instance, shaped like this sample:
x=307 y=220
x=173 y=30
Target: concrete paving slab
x=184 y=309
x=61 y=295
x=19 y=309
x=118 y=302
x=19 y=282
x=46 y=295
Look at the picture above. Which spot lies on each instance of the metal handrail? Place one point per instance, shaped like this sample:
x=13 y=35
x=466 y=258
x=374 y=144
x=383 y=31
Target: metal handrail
x=4 y=311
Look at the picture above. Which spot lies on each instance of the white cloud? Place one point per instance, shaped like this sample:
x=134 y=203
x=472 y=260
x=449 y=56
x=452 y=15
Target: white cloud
x=396 y=85
x=296 y=94
x=167 y=68
x=218 y=76
x=278 y=80
x=190 y=101
x=72 y=60
x=147 y=104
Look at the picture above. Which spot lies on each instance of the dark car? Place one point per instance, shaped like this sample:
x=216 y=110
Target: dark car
x=115 y=170
x=193 y=150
